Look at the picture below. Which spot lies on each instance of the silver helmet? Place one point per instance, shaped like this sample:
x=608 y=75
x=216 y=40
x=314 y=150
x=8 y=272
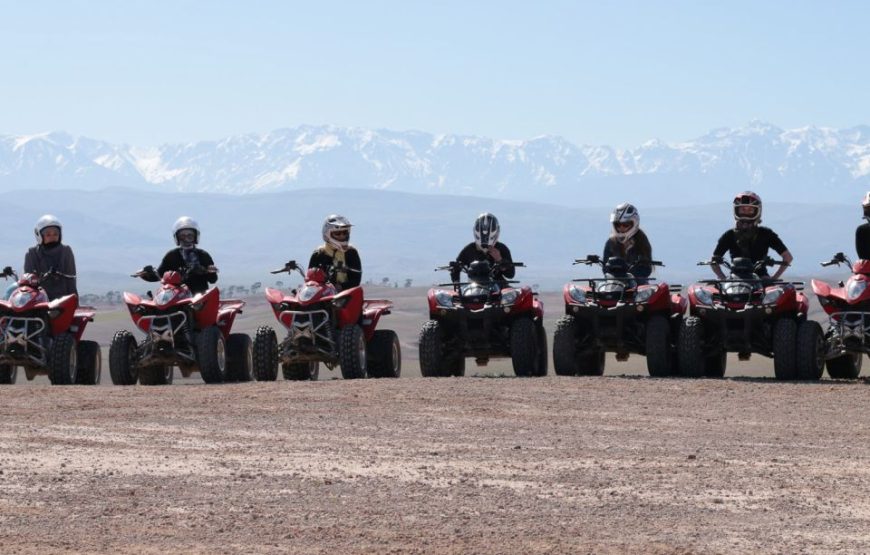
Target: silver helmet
x=336 y=231
x=624 y=214
x=45 y=221
x=486 y=230
x=182 y=223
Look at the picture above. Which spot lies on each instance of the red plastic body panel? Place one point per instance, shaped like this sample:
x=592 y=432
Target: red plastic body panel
x=67 y=306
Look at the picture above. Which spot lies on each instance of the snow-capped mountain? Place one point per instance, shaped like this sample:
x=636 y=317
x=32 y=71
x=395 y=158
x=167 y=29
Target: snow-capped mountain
x=806 y=164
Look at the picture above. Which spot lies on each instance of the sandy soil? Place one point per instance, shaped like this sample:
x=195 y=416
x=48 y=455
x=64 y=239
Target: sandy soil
x=619 y=464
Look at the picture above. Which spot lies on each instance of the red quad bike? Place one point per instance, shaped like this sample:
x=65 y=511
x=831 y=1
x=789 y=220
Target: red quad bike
x=328 y=326
x=181 y=329
x=848 y=308
x=747 y=314
x=617 y=313
x=483 y=318
x=45 y=337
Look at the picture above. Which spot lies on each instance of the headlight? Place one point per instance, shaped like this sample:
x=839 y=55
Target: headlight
x=644 y=294
x=475 y=290
x=855 y=288
x=703 y=296
x=164 y=296
x=443 y=298
x=577 y=295
x=21 y=298
x=611 y=286
x=509 y=296
x=308 y=293
x=772 y=296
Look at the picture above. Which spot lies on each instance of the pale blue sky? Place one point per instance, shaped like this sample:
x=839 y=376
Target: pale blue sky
x=614 y=72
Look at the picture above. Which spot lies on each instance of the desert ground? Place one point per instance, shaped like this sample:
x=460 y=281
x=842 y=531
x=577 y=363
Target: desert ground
x=486 y=463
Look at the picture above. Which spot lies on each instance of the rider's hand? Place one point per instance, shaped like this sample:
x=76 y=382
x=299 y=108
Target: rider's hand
x=494 y=253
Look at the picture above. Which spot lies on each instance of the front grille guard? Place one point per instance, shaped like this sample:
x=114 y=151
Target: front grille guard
x=309 y=337
x=162 y=333
x=18 y=343
x=848 y=331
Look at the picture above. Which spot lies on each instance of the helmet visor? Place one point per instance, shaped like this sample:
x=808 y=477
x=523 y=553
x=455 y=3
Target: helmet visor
x=746 y=211
x=186 y=235
x=341 y=234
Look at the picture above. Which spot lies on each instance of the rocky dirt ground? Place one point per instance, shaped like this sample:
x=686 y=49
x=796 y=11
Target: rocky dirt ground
x=616 y=464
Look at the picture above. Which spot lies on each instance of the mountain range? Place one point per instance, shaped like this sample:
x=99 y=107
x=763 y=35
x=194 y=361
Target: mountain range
x=809 y=164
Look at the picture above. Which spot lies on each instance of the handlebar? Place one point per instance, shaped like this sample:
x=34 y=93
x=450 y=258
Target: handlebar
x=837 y=259
x=719 y=261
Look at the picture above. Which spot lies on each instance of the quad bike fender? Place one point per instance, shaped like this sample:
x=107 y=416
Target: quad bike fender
x=659 y=302
x=372 y=312
x=789 y=302
x=803 y=304
x=274 y=296
x=349 y=304
x=227 y=311
x=820 y=288
x=205 y=308
x=66 y=310
x=861 y=266
x=678 y=304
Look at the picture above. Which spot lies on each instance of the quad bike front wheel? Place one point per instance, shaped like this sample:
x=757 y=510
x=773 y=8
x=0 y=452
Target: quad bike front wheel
x=90 y=361
x=211 y=355
x=715 y=364
x=659 y=354
x=240 y=358
x=265 y=354
x=63 y=360
x=301 y=371
x=157 y=374
x=565 y=346
x=785 y=349
x=543 y=354
x=384 y=355
x=524 y=347
x=690 y=348
x=352 y=352
x=845 y=367
x=810 y=354
x=122 y=359
x=8 y=373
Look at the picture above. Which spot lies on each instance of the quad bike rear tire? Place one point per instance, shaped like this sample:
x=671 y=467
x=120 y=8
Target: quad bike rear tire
x=591 y=363
x=90 y=361
x=63 y=360
x=659 y=352
x=240 y=358
x=301 y=371
x=157 y=374
x=845 y=367
x=265 y=355
x=524 y=347
x=211 y=355
x=690 y=348
x=810 y=355
x=8 y=373
x=352 y=352
x=565 y=346
x=715 y=365
x=543 y=354
x=785 y=349
x=384 y=354
x=122 y=359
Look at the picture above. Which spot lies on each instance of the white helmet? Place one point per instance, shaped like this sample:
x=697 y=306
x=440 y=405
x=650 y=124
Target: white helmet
x=185 y=222
x=335 y=223
x=486 y=230
x=625 y=213
x=47 y=221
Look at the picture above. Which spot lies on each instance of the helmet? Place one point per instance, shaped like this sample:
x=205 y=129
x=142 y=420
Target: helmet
x=623 y=214
x=185 y=222
x=486 y=230
x=865 y=203
x=747 y=208
x=46 y=221
x=333 y=225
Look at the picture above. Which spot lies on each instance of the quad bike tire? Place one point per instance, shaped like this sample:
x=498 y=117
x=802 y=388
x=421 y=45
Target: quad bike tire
x=690 y=348
x=810 y=354
x=543 y=354
x=352 y=352
x=211 y=355
x=715 y=365
x=301 y=371
x=845 y=367
x=156 y=374
x=524 y=347
x=659 y=353
x=265 y=355
x=90 y=360
x=456 y=366
x=384 y=353
x=63 y=360
x=565 y=346
x=240 y=358
x=8 y=374
x=785 y=349
x=591 y=363
x=433 y=362
x=122 y=359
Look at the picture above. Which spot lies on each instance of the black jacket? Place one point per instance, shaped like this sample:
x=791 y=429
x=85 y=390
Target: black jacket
x=635 y=256
x=752 y=245
x=195 y=278
x=323 y=257
x=39 y=260
x=862 y=241
x=471 y=253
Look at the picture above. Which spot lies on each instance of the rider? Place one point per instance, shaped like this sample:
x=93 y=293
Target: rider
x=750 y=240
x=49 y=255
x=195 y=265
x=628 y=241
x=337 y=257
x=862 y=234
x=486 y=247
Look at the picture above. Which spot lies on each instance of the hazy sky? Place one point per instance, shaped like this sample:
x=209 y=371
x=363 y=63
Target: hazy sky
x=613 y=72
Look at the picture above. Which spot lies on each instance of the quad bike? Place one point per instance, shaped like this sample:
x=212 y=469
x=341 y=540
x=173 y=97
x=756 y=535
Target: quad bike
x=337 y=328
x=45 y=337
x=848 y=308
x=483 y=318
x=617 y=313
x=747 y=314
x=181 y=329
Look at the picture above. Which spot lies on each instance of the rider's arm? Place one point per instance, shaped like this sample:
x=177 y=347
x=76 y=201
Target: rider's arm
x=721 y=248
x=464 y=258
x=862 y=241
x=776 y=244
x=507 y=269
x=206 y=261
x=786 y=262
x=352 y=260
x=30 y=261
x=69 y=268
x=171 y=261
